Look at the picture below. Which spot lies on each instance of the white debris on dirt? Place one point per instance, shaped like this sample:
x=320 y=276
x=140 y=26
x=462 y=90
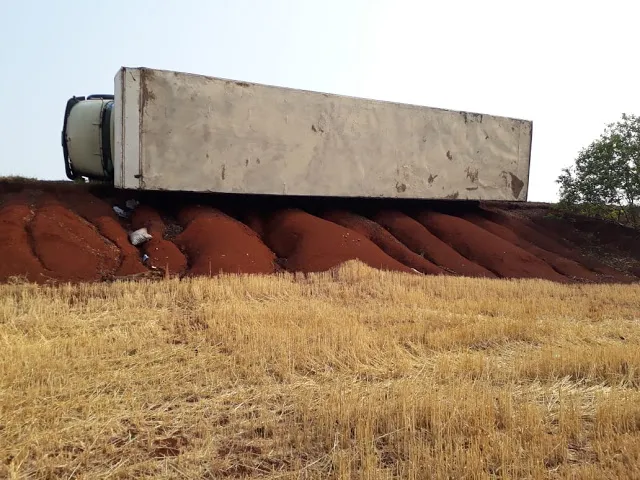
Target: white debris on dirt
x=139 y=236
x=120 y=212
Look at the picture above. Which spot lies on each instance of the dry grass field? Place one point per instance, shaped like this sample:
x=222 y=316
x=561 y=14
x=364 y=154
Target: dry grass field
x=354 y=374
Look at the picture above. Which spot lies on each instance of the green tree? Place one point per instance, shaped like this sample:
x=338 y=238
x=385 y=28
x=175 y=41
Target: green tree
x=605 y=179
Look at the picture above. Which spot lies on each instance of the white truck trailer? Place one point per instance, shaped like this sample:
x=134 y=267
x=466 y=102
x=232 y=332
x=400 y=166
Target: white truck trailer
x=165 y=130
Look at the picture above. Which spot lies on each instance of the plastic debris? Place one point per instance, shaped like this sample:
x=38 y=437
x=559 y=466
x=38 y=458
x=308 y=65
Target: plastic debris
x=120 y=212
x=139 y=236
x=132 y=204
x=145 y=257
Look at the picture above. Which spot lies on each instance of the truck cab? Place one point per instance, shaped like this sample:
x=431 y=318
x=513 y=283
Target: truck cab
x=87 y=137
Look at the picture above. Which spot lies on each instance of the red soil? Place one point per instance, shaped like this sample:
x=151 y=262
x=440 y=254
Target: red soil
x=560 y=264
x=608 y=234
x=416 y=237
x=549 y=240
x=383 y=239
x=162 y=253
x=255 y=222
x=66 y=233
x=70 y=246
x=311 y=244
x=17 y=258
x=100 y=213
x=487 y=249
x=216 y=243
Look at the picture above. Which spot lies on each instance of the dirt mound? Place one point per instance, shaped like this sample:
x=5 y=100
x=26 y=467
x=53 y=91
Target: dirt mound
x=383 y=239
x=560 y=264
x=17 y=258
x=487 y=249
x=216 y=243
x=549 y=240
x=310 y=244
x=255 y=222
x=607 y=233
x=101 y=214
x=162 y=253
x=416 y=237
x=62 y=232
x=69 y=246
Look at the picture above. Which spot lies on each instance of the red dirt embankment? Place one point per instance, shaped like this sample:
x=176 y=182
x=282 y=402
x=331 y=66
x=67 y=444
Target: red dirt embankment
x=487 y=249
x=423 y=242
x=384 y=240
x=18 y=258
x=162 y=253
x=607 y=234
x=311 y=244
x=68 y=233
x=562 y=265
x=549 y=240
x=216 y=243
x=101 y=214
x=68 y=245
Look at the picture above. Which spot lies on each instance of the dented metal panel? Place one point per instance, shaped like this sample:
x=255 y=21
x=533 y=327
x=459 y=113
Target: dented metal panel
x=190 y=132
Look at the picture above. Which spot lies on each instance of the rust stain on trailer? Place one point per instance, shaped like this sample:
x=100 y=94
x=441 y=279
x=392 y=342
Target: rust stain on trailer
x=146 y=95
x=431 y=178
x=472 y=117
x=240 y=84
x=401 y=187
x=516 y=184
x=472 y=174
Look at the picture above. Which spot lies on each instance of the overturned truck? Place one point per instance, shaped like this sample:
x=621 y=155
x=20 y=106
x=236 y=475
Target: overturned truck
x=165 y=130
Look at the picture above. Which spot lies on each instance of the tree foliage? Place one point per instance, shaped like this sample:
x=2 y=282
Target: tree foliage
x=605 y=179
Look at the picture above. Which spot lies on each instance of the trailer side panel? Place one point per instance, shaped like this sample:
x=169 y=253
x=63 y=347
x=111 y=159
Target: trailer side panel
x=190 y=132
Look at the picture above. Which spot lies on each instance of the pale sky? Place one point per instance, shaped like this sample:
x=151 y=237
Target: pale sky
x=570 y=67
